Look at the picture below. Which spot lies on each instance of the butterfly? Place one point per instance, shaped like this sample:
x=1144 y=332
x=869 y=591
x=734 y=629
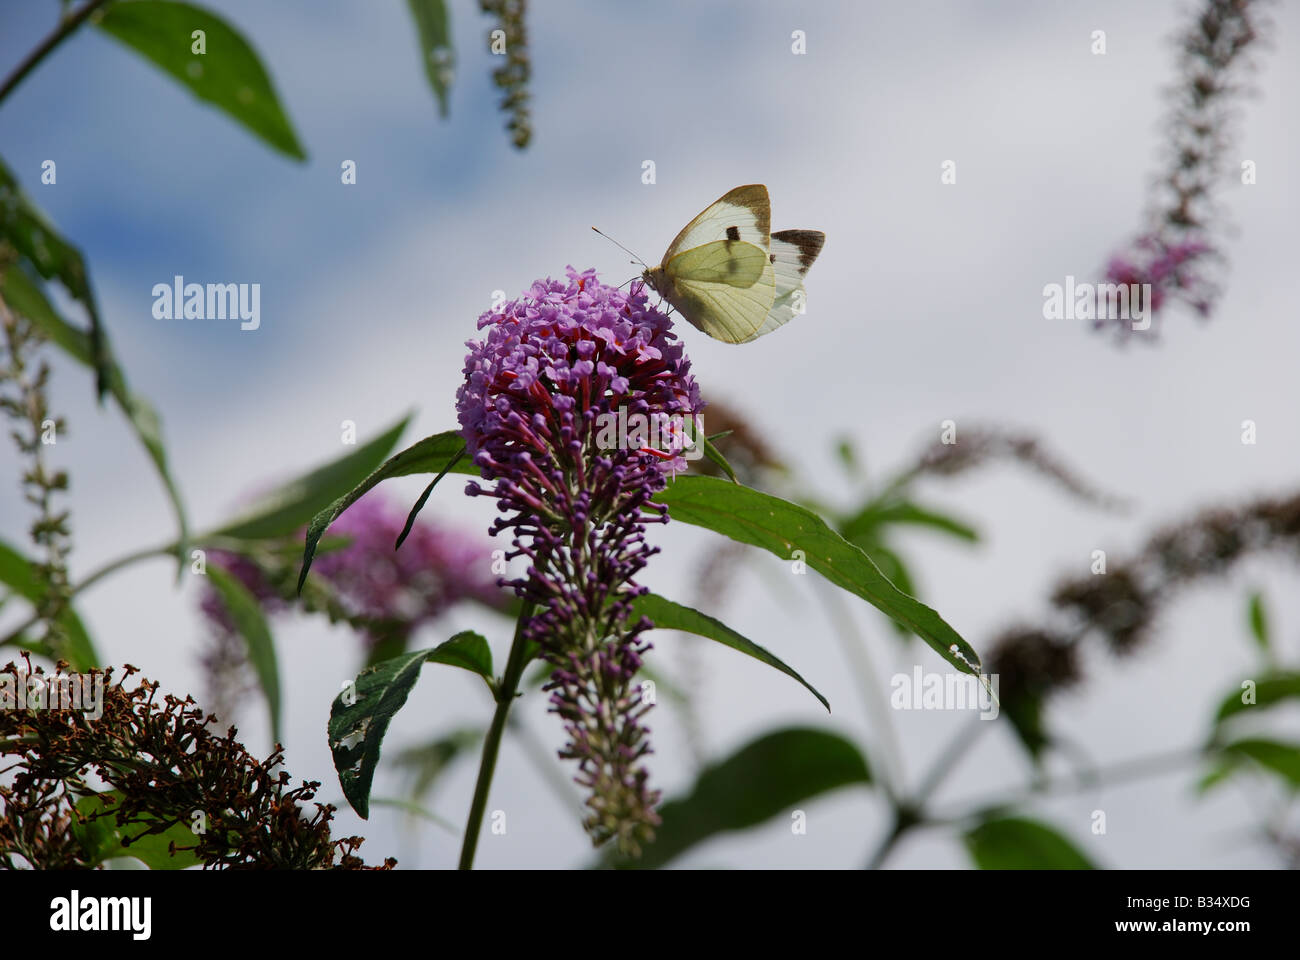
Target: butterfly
x=729 y=276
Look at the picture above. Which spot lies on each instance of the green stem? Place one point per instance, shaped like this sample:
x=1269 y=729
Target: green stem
x=870 y=689
x=506 y=691
x=111 y=567
x=1123 y=771
x=124 y=561
x=67 y=26
x=911 y=813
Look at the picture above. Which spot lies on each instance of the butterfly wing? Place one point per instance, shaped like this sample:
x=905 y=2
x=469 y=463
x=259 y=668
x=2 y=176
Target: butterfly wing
x=793 y=252
x=724 y=288
x=741 y=214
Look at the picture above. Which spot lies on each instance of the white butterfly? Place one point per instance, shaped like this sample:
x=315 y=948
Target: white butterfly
x=732 y=278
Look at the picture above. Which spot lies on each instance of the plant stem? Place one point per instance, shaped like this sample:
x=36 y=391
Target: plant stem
x=1123 y=771
x=506 y=691
x=111 y=567
x=870 y=690
x=958 y=747
x=67 y=25
x=911 y=813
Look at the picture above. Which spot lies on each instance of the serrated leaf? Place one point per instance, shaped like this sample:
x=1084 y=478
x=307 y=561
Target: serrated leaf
x=229 y=74
x=149 y=842
x=291 y=506
x=250 y=621
x=781 y=527
x=674 y=616
x=764 y=779
x=16 y=573
x=433 y=32
x=1017 y=843
x=440 y=454
x=356 y=730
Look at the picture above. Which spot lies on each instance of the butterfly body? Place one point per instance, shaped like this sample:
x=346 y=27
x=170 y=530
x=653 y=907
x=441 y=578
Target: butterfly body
x=729 y=276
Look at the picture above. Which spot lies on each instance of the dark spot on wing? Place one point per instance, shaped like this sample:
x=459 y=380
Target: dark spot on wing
x=809 y=243
x=733 y=233
x=771 y=258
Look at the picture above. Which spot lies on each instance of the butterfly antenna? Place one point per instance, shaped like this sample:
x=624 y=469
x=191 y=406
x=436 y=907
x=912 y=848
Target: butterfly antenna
x=623 y=248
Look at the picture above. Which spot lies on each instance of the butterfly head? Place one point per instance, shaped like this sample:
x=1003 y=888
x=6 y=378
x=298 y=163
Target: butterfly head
x=655 y=277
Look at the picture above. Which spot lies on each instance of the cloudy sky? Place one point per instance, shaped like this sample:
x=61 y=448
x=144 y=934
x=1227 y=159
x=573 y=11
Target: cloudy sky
x=926 y=305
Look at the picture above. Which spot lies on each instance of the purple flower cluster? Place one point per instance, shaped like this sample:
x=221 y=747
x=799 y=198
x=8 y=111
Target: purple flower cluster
x=434 y=569
x=554 y=367
x=1176 y=253
x=1171 y=268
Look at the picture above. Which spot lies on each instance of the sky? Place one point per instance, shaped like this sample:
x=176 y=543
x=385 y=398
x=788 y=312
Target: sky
x=925 y=306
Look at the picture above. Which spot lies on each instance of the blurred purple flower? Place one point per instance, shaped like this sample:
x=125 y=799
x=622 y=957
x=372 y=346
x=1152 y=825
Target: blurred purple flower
x=253 y=578
x=556 y=365
x=1175 y=255
x=434 y=569
x=1172 y=269
x=382 y=592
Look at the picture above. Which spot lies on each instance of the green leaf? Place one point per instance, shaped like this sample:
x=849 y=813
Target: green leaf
x=875 y=515
x=430 y=761
x=415 y=810
x=24 y=296
x=848 y=457
x=26 y=229
x=1258 y=621
x=1221 y=772
x=356 y=730
x=781 y=527
x=718 y=459
x=1281 y=758
x=148 y=840
x=895 y=571
x=663 y=684
x=229 y=74
x=1026 y=715
x=441 y=453
x=764 y=779
x=290 y=507
x=16 y=573
x=251 y=623
x=434 y=34
x=1015 y=843
x=540 y=675
x=673 y=616
x=467 y=650
x=424 y=498
x=1269 y=690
